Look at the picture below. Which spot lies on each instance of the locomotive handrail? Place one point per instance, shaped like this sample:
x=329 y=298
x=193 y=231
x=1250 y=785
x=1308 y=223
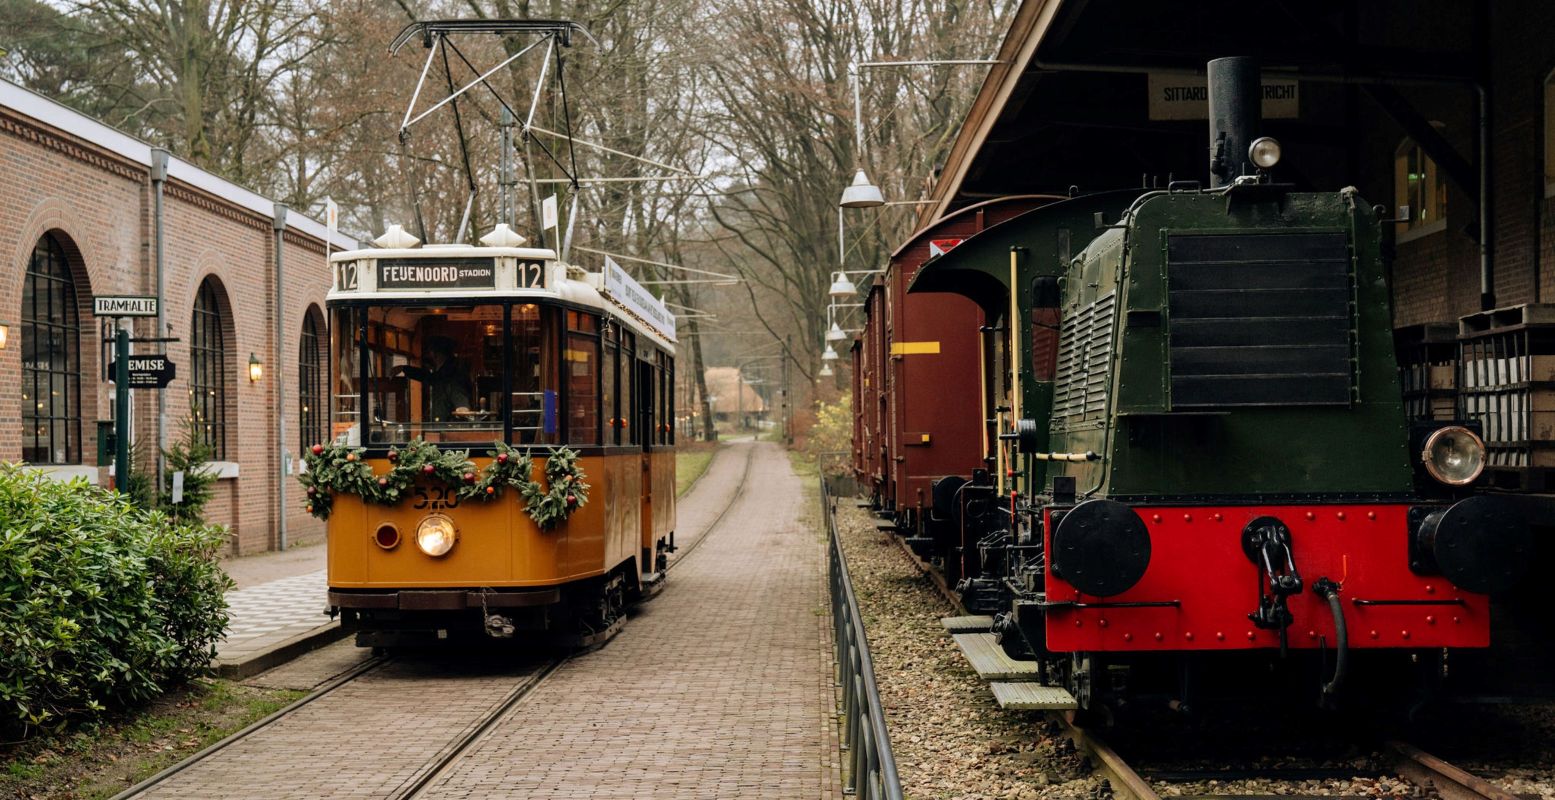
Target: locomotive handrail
x=872 y=768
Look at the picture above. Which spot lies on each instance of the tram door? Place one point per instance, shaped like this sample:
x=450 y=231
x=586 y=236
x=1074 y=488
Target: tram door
x=645 y=424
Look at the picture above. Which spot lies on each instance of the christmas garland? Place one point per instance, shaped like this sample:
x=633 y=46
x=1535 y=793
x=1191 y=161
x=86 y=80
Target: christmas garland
x=337 y=469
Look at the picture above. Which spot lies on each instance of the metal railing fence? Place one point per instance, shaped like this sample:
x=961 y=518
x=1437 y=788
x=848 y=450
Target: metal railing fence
x=871 y=769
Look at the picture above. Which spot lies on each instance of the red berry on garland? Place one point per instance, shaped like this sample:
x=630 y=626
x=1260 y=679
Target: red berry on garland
x=312 y=492
x=571 y=500
x=383 y=482
x=310 y=509
x=394 y=455
x=469 y=477
x=318 y=449
x=427 y=469
x=502 y=458
x=491 y=490
x=351 y=457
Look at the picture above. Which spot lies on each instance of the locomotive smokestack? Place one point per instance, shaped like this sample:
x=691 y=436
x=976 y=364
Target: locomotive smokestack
x=1235 y=108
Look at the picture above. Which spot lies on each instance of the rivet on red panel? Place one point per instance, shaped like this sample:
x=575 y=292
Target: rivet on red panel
x=1128 y=637
x=1430 y=620
x=1159 y=636
x=1404 y=634
x=1218 y=517
x=1220 y=635
x=1188 y=636
x=1371 y=515
x=1155 y=517
x=1187 y=517
x=1311 y=515
x=1430 y=589
x=1251 y=636
x=1311 y=634
x=1340 y=515
x=1373 y=634
x=1102 y=622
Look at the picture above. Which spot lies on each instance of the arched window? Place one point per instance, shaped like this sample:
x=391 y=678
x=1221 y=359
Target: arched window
x=1417 y=183
x=310 y=376
x=51 y=359
x=208 y=369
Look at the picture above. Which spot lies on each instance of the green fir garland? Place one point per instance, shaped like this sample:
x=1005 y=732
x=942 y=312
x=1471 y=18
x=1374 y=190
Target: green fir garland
x=337 y=469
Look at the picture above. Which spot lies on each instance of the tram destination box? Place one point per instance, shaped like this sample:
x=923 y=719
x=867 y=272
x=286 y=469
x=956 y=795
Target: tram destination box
x=437 y=273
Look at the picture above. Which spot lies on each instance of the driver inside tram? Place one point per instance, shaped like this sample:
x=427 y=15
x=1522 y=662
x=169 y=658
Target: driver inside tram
x=445 y=376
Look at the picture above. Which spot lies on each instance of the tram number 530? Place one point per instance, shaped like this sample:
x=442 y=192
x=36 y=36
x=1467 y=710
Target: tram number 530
x=531 y=274
x=436 y=498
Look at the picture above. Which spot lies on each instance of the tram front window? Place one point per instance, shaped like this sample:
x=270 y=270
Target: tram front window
x=437 y=373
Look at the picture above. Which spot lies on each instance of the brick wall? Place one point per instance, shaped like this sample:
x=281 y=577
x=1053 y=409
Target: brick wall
x=100 y=206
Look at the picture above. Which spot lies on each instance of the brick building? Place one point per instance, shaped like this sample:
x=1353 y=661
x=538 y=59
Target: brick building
x=1434 y=104
x=78 y=219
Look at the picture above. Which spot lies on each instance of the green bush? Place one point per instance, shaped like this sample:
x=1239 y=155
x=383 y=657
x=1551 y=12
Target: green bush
x=102 y=604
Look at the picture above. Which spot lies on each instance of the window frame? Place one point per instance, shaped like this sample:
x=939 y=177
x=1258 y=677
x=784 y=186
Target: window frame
x=1434 y=184
x=210 y=397
x=61 y=281
x=313 y=366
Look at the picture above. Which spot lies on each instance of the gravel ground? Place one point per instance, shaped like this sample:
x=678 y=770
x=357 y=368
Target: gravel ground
x=1511 y=746
x=950 y=739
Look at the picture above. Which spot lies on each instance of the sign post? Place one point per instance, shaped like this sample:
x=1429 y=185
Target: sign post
x=150 y=372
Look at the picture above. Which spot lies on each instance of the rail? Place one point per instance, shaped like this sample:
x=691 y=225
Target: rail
x=871 y=768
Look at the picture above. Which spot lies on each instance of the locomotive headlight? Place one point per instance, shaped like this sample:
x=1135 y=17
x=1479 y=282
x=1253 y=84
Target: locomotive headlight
x=1454 y=455
x=1264 y=152
x=435 y=535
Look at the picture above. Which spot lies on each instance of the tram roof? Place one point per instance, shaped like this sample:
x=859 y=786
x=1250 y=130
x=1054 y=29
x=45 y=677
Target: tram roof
x=615 y=294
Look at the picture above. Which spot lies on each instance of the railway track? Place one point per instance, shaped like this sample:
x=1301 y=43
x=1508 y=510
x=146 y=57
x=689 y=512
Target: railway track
x=1434 y=775
x=319 y=692
x=450 y=755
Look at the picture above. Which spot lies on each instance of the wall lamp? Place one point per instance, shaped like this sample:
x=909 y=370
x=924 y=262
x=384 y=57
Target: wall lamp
x=256 y=368
x=5 y=334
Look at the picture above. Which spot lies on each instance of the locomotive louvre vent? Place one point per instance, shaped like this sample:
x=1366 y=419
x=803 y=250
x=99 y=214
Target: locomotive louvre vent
x=1260 y=319
x=1084 y=358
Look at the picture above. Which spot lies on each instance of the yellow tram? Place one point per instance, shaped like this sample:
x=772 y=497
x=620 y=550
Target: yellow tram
x=496 y=354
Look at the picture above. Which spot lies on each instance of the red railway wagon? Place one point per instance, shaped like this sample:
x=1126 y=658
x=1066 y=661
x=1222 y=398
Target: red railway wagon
x=916 y=364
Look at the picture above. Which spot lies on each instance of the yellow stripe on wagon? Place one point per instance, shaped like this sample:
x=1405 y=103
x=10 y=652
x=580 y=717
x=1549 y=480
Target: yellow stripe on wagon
x=914 y=348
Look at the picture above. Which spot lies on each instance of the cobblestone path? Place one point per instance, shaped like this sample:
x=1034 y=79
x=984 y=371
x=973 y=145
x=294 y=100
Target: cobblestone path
x=719 y=688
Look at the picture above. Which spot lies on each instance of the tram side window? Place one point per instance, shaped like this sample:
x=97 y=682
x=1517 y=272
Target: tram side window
x=533 y=373
x=582 y=357
x=609 y=370
x=630 y=391
x=345 y=417
x=669 y=417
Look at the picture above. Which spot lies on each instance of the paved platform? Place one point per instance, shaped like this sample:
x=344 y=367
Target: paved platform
x=273 y=622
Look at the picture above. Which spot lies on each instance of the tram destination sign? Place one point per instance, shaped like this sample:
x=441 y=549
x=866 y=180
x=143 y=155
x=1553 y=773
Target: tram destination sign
x=437 y=273
x=124 y=306
x=151 y=372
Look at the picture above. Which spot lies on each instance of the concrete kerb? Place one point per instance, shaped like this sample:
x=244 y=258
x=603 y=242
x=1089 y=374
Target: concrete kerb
x=272 y=656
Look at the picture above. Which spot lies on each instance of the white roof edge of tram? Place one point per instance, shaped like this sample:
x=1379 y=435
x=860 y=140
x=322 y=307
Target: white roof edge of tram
x=444 y=251
x=73 y=123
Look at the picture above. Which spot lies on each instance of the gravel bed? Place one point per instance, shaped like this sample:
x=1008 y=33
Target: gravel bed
x=1511 y=746
x=950 y=739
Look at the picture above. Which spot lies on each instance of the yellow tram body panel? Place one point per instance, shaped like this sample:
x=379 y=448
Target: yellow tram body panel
x=498 y=544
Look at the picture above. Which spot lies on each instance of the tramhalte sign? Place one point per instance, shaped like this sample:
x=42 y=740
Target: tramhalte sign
x=124 y=306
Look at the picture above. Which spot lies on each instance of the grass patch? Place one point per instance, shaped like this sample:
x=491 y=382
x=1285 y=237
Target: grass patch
x=100 y=759
x=691 y=461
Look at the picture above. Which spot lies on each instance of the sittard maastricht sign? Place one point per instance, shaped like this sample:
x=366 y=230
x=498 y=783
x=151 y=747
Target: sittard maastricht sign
x=1182 y=96
x=631 y=295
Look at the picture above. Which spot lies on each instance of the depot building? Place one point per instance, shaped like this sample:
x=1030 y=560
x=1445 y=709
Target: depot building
x=240 y=288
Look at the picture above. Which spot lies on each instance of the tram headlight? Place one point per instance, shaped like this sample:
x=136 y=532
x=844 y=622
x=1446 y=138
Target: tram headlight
x=1454 y=455
x=435 y=535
